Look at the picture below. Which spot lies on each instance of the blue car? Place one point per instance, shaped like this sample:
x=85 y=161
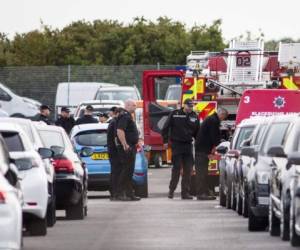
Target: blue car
x=94 y=136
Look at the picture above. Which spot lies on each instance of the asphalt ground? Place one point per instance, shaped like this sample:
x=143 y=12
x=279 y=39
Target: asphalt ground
x=152 y=224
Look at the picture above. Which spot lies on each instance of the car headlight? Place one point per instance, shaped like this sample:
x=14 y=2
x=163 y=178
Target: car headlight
x=263 y=177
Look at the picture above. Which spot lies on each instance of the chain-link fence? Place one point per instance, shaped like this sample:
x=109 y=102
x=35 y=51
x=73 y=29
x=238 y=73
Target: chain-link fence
x=40 y=83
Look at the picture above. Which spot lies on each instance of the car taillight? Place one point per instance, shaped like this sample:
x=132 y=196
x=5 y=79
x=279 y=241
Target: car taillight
x=63 y=165
x=2 y=197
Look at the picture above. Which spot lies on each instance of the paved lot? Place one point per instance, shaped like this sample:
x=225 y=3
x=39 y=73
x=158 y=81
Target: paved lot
x=154 y=223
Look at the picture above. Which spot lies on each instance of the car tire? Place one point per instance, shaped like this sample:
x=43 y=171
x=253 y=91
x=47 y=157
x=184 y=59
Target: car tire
x=37 y=227
x=255 y=223
x=294 y=237
x=233 y=196
x=222 y=196
x=85 y=211
x=51 y=213
x=142 y=190
x=76 y=212
x=239 y=204
x=157 y=159
x=285 y=221
x=228 y=194
x=245 y=202
x=274 y=222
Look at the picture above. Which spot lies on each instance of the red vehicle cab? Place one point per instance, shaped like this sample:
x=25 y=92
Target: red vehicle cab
x=268 y=102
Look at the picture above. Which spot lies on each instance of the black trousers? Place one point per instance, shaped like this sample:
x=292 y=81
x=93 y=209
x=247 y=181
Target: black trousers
x=115 y=172
x=126 y=163
x=184 y=161
x=201 y=165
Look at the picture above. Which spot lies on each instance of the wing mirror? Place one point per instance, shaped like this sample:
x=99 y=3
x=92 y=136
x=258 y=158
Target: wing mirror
x=222 y=150
x=233 y=153
x=293 y=159
x=45 y=153
x=276 y=151
x=86 y=152
x=248 y=151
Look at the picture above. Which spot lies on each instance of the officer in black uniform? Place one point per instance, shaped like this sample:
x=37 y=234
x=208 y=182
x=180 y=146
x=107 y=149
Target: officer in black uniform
x=180 y=128
x=65 y=120
x=127 y=139
x=88 y=116
x=44 y=115
x=113 y=153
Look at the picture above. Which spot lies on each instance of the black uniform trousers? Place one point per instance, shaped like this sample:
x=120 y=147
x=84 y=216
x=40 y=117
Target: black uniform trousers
x=126 y=162
x=115 y=172
x=201 y=165
x=182 y=157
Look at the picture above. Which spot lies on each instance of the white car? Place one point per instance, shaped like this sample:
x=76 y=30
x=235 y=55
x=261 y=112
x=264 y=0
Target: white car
x=120 y=93
x=17 y=106
x=10 y=203
x=30 y=129
x=34 y=183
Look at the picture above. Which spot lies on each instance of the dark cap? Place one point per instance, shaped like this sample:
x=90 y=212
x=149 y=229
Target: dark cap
x=65 y=109
x=89 y=108
x=188 y=102
x=43 y=107
x=114 y=109
x=103 y=115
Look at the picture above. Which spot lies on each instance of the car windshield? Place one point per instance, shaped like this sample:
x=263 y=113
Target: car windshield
x=92 y=138
x=244 y=134
x=52 y=138
x=117 y=95
x=173 y=93
x=13 y=141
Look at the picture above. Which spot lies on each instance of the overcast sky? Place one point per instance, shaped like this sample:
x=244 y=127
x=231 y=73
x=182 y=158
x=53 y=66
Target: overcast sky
x=275 y=18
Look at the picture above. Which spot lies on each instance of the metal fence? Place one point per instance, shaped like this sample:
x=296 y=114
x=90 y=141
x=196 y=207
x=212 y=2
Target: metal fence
x=40 y=82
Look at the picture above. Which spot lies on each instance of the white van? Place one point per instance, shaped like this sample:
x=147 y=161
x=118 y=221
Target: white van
x=17 y=106
x=70 y=94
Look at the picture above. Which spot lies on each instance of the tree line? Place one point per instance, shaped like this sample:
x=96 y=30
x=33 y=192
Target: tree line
x=109 y=42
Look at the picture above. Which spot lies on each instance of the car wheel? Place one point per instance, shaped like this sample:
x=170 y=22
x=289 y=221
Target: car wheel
x=255 y=223
x=222 y=196
x=85 y=211
x=233 y=196
x=274 y=222
x=157 y=159
x=285 y=221
x=294 y=237
x=239 y=204
x=245 y=202
x=142 y=190
x=37 y=227
x=76 y=212
x=51 y=213
x=228 y=194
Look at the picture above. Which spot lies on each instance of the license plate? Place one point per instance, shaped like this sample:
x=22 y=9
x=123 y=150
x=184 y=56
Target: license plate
x=100 y=156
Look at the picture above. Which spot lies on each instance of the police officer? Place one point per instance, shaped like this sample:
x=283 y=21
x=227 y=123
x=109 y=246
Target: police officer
x=127 y=139
x=113 y=153
x=88 y=116
x=208 y=137
x=103 y=117
x=44 y=115
x=180 y=128
x=65 y=120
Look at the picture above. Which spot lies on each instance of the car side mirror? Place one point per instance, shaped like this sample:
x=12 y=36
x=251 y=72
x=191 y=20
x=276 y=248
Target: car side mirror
x=248 y=151
x=222 y=150
x=276 y=151
x=45 y=153
x=233 y=153
x=86 y=152
x=57 y=150
x=293 y=159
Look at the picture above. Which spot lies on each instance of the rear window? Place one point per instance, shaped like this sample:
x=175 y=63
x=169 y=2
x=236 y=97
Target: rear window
x=96 y=111
x=92 y=138
x=275 y=136
x=13 y=142
x=117 y=95
x=244 y=134
x=52 y=138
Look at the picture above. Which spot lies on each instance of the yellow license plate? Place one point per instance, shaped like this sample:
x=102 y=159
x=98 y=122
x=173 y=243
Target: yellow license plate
x=100 y=156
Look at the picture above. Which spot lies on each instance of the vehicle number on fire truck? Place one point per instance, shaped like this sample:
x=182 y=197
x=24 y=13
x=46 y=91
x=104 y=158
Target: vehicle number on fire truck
x=247 y=99
x=243 y=61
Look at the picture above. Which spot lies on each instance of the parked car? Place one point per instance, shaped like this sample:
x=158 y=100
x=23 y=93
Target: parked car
x=71 y=173
x=34 y=183
x=70 y=94
x=243 y=164
x=11 y=200
x=283 y=174
x=121 y=93
x=229 y=162
x=258 y=177
x=94 y=137
x=34 y=137
x=17 y=106
x=99 y=107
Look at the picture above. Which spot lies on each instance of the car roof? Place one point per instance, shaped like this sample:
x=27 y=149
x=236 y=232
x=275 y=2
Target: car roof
x=118 y=88
x=254 y=121
x=101 y=102
x=11 y=127
x=87 y=127
x=15 y=120
x=44 y=126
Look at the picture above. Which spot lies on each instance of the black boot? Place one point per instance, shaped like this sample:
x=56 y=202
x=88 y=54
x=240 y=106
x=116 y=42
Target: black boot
x=171 y=194
x=186 y=197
